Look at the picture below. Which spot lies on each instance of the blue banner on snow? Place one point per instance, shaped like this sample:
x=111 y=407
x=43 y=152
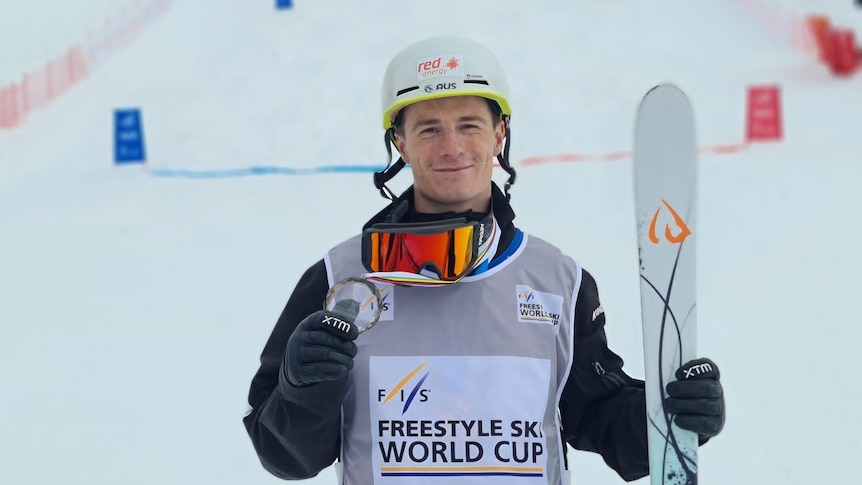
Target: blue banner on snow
x=128 y=137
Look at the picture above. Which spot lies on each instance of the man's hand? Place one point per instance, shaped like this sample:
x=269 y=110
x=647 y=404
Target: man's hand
x=321 y=348
x=696 y=398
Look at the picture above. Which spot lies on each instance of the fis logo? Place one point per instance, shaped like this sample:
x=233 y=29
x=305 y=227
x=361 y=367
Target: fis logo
x=387 y=304
x=538 y=307
x=682 y=229
x=400 y=391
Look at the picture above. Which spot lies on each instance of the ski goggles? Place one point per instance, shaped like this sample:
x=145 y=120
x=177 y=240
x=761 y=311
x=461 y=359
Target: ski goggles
x=447 y=250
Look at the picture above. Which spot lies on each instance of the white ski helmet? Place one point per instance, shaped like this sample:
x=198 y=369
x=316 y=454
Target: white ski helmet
x=442 y=67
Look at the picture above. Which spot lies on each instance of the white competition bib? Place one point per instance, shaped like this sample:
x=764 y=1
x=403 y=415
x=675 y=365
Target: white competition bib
x=446 y=420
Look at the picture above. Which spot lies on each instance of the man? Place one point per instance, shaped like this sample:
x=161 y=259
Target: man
x=490 y=354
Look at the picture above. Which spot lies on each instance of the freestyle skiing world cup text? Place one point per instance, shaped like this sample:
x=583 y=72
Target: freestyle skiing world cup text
x=469 y=441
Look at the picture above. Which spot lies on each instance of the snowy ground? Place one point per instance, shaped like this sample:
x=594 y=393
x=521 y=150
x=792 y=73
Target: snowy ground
x=134 y=306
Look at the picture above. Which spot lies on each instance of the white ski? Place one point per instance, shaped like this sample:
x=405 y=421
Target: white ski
x=665 y=174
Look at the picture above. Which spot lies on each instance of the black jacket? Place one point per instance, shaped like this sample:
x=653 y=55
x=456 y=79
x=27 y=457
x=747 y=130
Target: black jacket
x=296 y=430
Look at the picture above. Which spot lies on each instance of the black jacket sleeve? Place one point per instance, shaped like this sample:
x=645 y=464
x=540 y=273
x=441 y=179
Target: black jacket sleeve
x=295 y=430
x=602 y=408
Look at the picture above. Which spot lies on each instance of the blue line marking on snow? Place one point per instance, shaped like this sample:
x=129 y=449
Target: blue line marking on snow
x=262 y=170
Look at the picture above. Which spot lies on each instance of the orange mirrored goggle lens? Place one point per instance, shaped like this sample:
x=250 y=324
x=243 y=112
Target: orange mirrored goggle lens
x=451 y=253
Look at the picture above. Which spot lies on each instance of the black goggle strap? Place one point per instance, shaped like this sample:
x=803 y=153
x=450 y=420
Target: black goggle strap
x=391 y=170
x=503 y=159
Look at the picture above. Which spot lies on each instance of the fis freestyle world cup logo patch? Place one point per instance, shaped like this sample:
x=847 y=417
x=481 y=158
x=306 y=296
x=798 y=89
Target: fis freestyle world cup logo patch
x=438 y=419
x=439 y=66
x=537 y=306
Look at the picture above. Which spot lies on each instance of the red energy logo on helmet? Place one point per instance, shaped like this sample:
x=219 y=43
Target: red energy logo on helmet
x=439 y=66
x=669 y=236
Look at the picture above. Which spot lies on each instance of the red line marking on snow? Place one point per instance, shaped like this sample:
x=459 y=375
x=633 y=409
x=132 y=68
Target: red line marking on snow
x=722 y=149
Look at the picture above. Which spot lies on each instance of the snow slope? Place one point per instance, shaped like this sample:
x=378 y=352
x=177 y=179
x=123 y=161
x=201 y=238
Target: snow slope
x=134 y=306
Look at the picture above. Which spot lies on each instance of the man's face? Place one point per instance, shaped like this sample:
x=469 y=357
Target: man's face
x=450 y=144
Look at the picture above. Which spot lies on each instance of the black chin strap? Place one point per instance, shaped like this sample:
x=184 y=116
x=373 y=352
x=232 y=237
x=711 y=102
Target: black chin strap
x=503 y=159
x=392 y=169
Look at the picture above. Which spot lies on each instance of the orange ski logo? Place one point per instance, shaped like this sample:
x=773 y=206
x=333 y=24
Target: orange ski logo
x=672 y=238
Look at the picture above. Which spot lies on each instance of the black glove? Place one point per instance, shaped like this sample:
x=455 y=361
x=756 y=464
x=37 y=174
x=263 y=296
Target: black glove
x=322 y=348
x=696 y=398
